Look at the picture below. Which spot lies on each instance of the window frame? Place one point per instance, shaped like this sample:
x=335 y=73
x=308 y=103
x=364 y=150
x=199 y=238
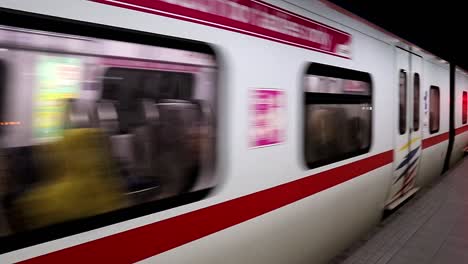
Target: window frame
x=435 y=88
x=324 y=70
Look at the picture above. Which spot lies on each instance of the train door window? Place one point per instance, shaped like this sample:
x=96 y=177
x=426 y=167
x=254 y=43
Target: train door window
x=434 y=113
x=338 y=114
x=464 y=107
x=416 y=101
x=402 y=101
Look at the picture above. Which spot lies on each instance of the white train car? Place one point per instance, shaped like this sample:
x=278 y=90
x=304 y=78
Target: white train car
x=242 y=131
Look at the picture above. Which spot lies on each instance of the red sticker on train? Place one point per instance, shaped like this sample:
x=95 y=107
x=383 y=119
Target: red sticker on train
x=249 y=17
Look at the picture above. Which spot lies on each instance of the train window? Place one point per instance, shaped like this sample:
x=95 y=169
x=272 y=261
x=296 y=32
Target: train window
x=434 y=106
x=338 y=114
x=140 y=141
x=416 y=101
x=464 y=107
x=402 y=101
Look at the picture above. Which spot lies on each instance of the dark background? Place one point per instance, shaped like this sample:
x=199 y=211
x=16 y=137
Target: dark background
x=436 y=26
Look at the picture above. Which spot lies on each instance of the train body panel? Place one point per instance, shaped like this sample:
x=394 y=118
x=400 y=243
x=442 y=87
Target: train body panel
x=328 y=206
x=280 y=239
x=436 y=142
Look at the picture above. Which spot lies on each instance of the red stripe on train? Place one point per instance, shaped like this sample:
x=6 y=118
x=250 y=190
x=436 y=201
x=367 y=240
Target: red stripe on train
x=146 y=241
x=461 y=130
x=429 y=142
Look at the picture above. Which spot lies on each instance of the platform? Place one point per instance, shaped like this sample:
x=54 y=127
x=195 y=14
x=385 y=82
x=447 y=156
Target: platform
x=432 y=227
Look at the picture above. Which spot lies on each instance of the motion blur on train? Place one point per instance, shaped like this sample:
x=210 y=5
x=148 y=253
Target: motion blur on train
x=211 y=132
x=102 y=133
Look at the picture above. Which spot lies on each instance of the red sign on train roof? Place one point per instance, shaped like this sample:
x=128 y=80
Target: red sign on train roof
x=250 y=17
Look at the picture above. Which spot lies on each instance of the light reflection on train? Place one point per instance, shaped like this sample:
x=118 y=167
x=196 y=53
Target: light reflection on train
x=102 y=132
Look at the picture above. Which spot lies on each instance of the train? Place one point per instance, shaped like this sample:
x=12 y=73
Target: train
x=221 y=131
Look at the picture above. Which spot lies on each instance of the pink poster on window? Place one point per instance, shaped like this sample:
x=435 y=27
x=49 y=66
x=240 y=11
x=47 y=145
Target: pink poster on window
x=267 y=117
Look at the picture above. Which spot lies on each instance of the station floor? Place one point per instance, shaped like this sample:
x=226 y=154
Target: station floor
x=432 y=227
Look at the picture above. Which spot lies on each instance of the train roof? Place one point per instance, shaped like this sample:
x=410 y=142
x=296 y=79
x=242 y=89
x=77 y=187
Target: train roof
x=335 y=16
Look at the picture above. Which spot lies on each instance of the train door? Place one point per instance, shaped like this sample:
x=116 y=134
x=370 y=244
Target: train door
x=407 y=144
